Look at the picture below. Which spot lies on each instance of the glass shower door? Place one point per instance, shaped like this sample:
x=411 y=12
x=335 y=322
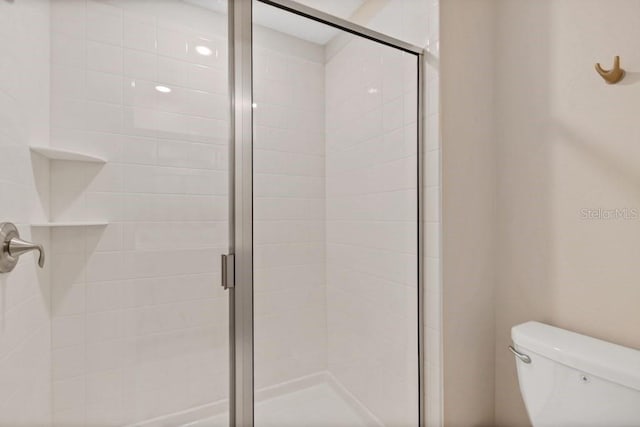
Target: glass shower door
x=335 y=173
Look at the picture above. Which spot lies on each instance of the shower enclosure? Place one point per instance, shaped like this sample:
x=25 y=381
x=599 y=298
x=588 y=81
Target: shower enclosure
x=158 y=148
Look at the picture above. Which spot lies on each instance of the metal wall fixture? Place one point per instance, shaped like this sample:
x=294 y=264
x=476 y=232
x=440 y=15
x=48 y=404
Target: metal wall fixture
x=13 y=247
x=613 y=75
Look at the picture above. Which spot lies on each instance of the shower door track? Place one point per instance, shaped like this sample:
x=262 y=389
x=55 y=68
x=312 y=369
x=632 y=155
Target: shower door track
x=241 y=357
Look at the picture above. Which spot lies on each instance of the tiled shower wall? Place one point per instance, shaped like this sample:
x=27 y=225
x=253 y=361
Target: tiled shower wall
x=418 y=22
x=25 y=353
x=139 y=322
x=289 y=210
x=371 y=227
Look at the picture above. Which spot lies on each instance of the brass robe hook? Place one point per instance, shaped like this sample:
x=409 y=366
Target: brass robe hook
x=614 y=75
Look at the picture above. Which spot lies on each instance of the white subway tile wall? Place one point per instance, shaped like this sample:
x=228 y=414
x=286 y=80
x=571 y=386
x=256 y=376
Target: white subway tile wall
x=418 y=22
x=25 y=350
x=433 y=219
x=289 y=211
x=371 y=198
x=139 y=323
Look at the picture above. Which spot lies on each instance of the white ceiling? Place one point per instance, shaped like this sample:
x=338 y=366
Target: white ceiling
x=341 y=8
x=289 y=23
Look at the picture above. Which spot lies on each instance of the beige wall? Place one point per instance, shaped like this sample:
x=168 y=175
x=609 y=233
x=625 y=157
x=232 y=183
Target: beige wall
x=531 y=137
x=566 y=142
x=468 y=216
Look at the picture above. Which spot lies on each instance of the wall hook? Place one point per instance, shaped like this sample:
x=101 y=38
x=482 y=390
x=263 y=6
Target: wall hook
x=614 y=75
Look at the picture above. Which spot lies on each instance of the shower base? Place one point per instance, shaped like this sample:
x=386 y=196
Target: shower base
x=317 y=400
x=319 y=405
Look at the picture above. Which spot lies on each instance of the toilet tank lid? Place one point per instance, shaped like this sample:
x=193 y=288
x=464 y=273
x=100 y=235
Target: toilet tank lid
x=600 y=358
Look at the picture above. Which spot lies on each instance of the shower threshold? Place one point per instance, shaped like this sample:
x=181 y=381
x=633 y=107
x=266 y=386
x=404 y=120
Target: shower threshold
x=315 y=406
x=316 y=400
x=313 y=401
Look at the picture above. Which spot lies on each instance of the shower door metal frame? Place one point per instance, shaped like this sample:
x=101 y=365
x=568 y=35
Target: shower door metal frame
x=240 y=18
x=241 y=212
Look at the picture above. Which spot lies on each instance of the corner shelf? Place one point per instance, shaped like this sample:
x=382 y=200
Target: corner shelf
x=71 y=224
x=59 y=154
x=51 y=153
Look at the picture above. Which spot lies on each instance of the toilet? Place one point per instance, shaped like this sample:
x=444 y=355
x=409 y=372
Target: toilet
x=572 y=380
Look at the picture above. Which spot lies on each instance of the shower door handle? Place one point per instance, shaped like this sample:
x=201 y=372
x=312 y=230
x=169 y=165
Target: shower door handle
x=227 y=270
x=13 y=247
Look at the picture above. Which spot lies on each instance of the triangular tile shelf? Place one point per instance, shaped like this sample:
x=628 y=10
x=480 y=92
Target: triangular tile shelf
x=72 y=224
x=59 y=154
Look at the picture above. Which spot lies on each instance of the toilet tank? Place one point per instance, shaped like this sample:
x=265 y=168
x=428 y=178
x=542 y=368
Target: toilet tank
x=574 y=380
